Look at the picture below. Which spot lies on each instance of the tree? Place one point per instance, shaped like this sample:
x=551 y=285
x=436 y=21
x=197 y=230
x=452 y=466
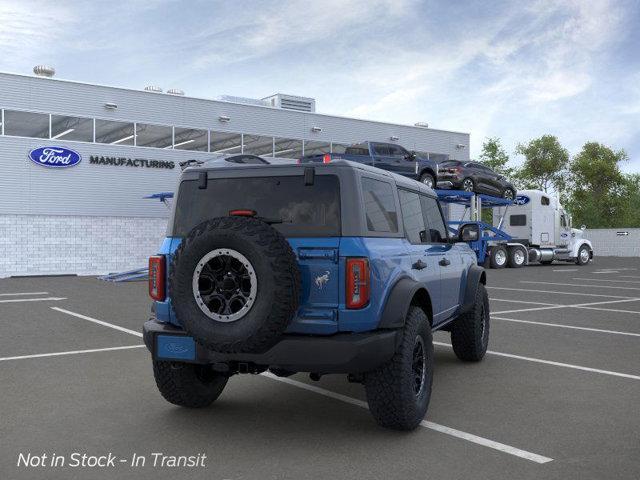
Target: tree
x=630 y=217
x=495 y=157
x=599 y=192
x=545 y=164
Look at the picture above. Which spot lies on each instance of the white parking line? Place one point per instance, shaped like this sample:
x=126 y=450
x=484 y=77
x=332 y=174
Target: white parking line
x=566 y=270
x=430 y=425
x=616 y=310
x=23 y=293
x=522 y=301
x=45 y=299
x=572 y=327
x=603 y=280
x=555 y=364
x=73 y=352
x=628 y=276
x=558 y=293
x=99 y=322
x=577 y=305
x=579 y=285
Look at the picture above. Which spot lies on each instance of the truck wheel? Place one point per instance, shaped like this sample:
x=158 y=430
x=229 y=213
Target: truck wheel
x=398 y=392
x=235 y=284
x=188 y=385
x=470 y=331
x=583 y=255
x=428 y=180
x=508 y=194
x=517 y=257
x=498 y=258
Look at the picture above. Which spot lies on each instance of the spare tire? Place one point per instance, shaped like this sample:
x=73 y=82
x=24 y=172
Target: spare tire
x=234 y=284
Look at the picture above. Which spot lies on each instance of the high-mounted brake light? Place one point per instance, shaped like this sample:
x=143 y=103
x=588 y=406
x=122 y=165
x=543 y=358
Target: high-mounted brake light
x=242 y=213
x=326 y=158
x=156 y=277
x=358 y=287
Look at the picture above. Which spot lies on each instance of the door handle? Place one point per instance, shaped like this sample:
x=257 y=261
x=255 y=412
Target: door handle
x=444 y=262
x=419 y=265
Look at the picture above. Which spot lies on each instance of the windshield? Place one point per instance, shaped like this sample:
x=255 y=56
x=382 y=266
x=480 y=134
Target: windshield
x=303 y=210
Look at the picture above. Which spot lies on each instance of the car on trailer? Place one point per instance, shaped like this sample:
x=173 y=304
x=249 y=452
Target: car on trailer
x=327 y=268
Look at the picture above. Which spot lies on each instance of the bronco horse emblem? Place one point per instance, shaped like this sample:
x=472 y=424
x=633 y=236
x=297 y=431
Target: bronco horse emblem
x=321 y=280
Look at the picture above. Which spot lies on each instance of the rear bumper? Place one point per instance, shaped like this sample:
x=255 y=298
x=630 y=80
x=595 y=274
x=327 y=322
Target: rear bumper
x=339 y=353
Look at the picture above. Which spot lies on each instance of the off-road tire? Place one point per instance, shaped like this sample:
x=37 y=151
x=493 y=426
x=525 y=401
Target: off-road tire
x=470 y=331
x=277 y=276
x=495 y=264
x=426 y=177
x=390 y=388
x=188 y=385
x=512 y=261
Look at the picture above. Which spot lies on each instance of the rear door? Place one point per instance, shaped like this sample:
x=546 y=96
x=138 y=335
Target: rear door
x=382 y=157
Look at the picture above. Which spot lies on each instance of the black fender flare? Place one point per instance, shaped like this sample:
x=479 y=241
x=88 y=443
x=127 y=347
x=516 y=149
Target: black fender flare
x=475 y=276
x=399 y=301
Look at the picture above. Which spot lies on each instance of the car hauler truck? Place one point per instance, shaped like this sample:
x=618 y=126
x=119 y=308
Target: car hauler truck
x=538 y=221
x=533 y=228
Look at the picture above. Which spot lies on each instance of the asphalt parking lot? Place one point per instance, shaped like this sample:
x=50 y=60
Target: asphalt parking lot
x=557 y=396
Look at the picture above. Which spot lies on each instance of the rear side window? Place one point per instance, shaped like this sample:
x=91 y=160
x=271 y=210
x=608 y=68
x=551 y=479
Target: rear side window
x=517 y=220
x=412 y=217
x=381 y=149
x=437 y=232
x=380 y=206
x=544 y=200
x=305 y=210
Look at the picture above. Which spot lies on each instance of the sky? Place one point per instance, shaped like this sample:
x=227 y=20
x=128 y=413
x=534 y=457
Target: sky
x=514 y=70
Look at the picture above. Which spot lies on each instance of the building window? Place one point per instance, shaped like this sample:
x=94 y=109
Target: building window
x=114 y=133
x=380 y=206
x=191 y=139
x=224 y=142
x=157 y=136
x=257 y=145
x=72 y=128
x=312 y=147
x=339 y=148
x=26 y=124
x=287 y=148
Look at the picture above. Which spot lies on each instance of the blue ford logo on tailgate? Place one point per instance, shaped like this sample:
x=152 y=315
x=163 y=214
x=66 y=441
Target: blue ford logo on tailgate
x=57 y=157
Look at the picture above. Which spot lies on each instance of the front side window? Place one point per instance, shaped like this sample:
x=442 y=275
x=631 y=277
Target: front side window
x=437 y=231
x=412 y=217
x=380 y=206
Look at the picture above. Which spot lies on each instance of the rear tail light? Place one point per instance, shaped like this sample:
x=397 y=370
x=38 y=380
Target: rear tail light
x=156 y=277
x=326 y=158
x=358 y=287
x=242 y=213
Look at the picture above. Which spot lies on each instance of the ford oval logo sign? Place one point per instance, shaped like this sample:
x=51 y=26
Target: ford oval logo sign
x=56 y=157
x=521 y=200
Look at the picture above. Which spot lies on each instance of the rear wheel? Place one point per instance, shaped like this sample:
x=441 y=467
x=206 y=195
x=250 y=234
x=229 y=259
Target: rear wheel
x=399 y=391
x=470 y=331
x=468 y=185
x=188 y=385
x=517 y=257
x=498 y=257
x=428 y=180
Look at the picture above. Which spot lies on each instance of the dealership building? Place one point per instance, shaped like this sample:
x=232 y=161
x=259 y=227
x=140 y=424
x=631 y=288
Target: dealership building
x=77 y=160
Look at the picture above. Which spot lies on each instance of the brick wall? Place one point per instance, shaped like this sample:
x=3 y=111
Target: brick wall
x=51 y=245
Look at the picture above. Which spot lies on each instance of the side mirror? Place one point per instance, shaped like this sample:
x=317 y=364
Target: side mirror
x=583 y=227
x=469 y=232
x=410 y=156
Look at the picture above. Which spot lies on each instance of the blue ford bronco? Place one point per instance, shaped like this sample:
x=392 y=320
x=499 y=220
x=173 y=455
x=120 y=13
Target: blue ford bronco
x=322 y=268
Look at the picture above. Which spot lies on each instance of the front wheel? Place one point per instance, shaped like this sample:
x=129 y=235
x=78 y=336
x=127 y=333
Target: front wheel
x=428 y=180
x=470 y=331
x=399 y=391
x=468 y=185
x=188 y=385
x=583 y=255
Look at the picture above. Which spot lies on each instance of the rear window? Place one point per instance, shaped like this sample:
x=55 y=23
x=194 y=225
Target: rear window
x=361 y=149
x=305 y=210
